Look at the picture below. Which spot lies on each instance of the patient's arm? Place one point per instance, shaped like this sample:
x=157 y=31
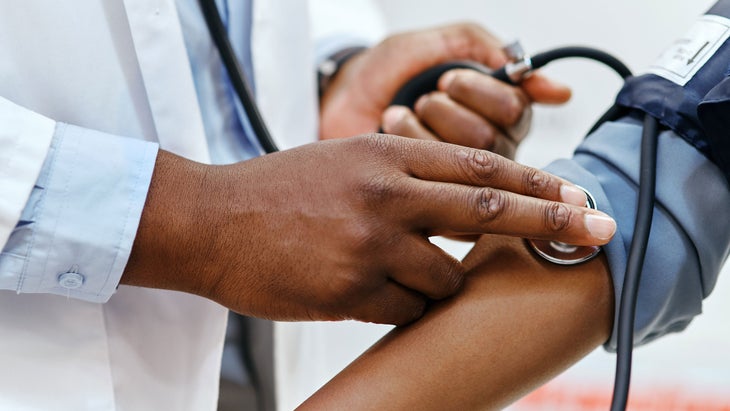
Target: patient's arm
x=521 y=320
x=518 y=322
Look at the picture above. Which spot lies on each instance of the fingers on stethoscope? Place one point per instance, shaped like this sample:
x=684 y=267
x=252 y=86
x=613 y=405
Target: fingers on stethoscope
x=455 y=208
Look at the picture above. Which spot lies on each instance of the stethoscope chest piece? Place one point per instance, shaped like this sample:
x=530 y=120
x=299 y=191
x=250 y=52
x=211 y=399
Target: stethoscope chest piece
x=562 y=253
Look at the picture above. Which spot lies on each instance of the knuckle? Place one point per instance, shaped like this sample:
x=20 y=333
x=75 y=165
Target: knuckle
x=480 y=165
x=460 y=44
x=537 y=183
x=376 y=144
x=379 y=189
x=380 y=148
x=461 y=40
x=469 y=31
x=490 y=204
x=558 y=217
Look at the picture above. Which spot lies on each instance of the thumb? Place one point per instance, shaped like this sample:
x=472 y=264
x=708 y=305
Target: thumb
x=544 y=90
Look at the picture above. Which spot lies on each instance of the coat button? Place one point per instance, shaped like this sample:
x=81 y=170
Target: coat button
x=70 y=280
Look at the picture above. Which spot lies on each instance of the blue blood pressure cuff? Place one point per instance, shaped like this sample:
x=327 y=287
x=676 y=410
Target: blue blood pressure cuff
x=688 y=88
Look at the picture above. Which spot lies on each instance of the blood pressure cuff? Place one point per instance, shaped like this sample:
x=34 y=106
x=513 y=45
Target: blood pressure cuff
x=688 y=88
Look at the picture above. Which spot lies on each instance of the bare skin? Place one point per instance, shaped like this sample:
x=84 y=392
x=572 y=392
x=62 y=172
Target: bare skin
x=518 y=322
x=339 y=229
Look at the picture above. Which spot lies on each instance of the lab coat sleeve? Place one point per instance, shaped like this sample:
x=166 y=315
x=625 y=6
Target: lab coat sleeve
x=690 y=236
x=24 y=140
x=337 y=25
x=75 y=232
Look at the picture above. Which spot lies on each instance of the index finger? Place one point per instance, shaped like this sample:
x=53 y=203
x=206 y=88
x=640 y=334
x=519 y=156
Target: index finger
x=450 y=163
x=452 y=208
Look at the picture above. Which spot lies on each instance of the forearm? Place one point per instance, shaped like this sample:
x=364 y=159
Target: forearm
x=517 y=323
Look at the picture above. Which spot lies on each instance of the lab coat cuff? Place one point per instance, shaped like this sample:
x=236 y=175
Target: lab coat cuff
x=25 y=137
x=84 y=217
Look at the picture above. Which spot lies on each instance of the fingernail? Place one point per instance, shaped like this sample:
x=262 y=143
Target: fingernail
x=600 y=226
x=446 y=79
x=392 y=116
x=573 y=195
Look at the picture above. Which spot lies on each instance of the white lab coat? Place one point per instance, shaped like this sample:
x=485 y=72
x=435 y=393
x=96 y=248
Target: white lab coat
x=98 y=64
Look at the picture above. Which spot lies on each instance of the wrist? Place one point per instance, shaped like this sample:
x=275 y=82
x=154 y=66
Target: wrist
x=167 y=247
x=332 y=66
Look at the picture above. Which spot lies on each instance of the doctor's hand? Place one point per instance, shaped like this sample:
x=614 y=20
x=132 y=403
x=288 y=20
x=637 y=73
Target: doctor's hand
x=339 y=229
x=469 y=108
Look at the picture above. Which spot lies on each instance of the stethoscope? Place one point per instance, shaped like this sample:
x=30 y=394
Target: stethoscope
x=520 y=66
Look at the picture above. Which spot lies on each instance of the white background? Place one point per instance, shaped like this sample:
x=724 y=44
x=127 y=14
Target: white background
x=682 y=371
